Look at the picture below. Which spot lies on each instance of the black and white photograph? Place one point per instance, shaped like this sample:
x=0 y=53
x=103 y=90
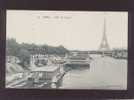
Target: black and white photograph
x=66 y=49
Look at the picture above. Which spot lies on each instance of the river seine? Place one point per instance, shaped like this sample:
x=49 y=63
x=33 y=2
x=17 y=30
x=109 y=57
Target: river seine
x=104 y=73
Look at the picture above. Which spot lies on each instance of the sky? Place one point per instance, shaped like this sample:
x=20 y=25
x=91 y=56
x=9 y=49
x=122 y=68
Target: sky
x=75 y=30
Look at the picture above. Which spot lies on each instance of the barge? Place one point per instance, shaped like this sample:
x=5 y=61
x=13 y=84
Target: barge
x=78 y=60
x=46 y=76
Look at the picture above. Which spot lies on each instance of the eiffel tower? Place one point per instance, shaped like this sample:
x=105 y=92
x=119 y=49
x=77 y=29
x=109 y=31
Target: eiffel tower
x=104 y=43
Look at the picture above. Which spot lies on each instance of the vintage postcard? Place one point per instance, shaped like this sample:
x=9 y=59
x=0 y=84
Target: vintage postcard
x=66 y=49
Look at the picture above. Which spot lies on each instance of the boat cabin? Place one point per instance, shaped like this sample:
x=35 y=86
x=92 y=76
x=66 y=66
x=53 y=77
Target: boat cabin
x=44 y=74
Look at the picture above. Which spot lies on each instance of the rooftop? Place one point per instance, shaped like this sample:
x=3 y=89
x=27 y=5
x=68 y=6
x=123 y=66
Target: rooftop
x=47 y=68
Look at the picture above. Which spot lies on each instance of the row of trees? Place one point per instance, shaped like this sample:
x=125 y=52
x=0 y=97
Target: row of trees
x=24 y=50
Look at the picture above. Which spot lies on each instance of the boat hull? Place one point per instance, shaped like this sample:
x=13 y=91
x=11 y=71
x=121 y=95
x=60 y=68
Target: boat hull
x=76 y=66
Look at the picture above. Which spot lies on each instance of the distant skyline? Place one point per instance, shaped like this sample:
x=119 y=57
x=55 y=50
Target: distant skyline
x=75 y=30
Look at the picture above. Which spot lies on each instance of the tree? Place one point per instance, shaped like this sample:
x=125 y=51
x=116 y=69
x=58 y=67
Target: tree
x=12 y=47
x=24 y=56
x=24 y=50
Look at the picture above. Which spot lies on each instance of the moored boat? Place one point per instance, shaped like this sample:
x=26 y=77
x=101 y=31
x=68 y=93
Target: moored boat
x=46 y=75
x=78 y=60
